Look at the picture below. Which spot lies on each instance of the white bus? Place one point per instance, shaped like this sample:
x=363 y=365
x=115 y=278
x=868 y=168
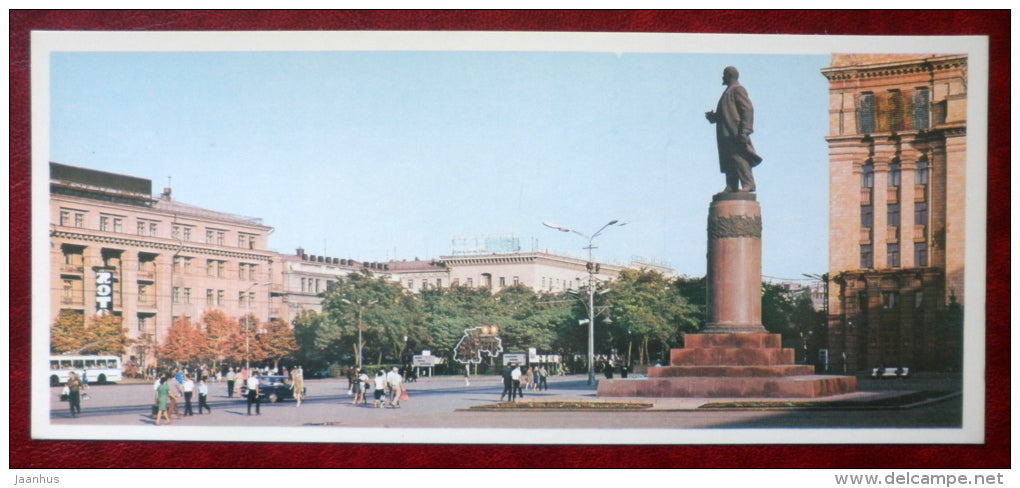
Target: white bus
x=95 y=369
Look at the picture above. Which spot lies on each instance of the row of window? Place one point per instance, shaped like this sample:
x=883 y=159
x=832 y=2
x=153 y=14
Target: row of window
x=151 y=228
x=216 y=268
x=245 y=299
x=891 y=300
x=894 y=174
x=892 y=251
x=892 y=111
x=893 y=215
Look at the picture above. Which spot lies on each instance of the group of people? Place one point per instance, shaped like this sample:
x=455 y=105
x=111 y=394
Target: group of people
x=387 y=387
x=171 y=388
x=516 y=380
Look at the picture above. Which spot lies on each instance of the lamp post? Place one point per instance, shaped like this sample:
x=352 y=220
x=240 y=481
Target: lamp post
x=247 y=328
x=361 y=310
x=592 y=270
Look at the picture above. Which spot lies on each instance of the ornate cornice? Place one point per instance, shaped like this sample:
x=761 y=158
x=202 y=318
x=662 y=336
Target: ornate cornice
x=883 y=70
x=165 y=246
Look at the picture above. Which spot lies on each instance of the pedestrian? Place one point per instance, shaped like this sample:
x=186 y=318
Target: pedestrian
x=508 y=384
x=189 y=390
x=203 y=396
x=75 y=387
x=380 y=388
x=297 y=376
x=253 y=394
x=175 y=394
x=515 y=377
x=543 y=377
x=395 y=383
x=163 y=400
x=231 y=376
x=361 y=386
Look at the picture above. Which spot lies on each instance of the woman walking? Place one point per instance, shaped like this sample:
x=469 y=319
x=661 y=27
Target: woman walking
x=163 y=401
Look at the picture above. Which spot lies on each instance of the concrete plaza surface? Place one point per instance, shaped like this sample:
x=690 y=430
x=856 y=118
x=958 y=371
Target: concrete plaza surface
x=445 y=402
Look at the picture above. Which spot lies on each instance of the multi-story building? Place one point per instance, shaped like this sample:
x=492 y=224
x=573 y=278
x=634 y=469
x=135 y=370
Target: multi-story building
x=116 y=249
x=897 y=161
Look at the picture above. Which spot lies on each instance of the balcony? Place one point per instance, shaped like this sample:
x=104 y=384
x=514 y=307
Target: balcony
x=893 y=195
x=920 y=233
x=72 y=269
x=892 y=235
x=865 y=196
x=865 y=236
x=920 y=193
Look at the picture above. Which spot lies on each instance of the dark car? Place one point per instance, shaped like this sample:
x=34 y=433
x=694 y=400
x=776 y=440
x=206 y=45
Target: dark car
x=271 y=388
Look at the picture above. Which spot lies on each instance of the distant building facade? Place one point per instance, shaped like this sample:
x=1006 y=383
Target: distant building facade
x=897 y=162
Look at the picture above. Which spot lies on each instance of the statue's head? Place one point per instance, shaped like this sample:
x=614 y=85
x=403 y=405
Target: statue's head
x=729 y=75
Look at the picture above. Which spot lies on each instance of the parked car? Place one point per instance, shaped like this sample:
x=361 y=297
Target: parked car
x=272 y=389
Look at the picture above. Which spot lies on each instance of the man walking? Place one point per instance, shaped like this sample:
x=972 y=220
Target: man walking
x=253 y=393
x=231 y=376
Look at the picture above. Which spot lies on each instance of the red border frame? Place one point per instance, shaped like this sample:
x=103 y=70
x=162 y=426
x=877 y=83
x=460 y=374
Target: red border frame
x=994 y=453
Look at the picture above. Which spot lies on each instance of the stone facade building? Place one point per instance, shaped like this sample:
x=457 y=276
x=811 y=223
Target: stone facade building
x=897 y=161
x=116 y=249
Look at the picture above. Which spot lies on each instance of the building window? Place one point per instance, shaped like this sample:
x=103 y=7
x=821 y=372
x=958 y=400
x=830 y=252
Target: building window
x=894 y=174
x=921 y=254
x=921 y=105
x=868 y=176
x=141 y=324
x=118 y=225
x=209 y=236
x=918 y=298
x=866 y=113
x=177 y=295
x=889 y=299
x=867 y=256
x=187 y=234
x=210 y=299
x=895 y=112
x=867 y=216
x=220 y=237
x=439 y=282
x=153 y=229
x=79 y=220
x=141 y=228
x=104 y=223
x=410 y=284
x=893 y=255
x=893 y=214
x=921 y=178
x=304 y=285
x=187 y=295
x=517 y=280
x=502 y=281
x=920 y=213
x=219 y=297
x=65 y=218
x=68 y=291
x=470 y=282
x=210 y=267
x=143 y=292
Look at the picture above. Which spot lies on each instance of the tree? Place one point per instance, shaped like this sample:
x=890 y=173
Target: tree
x=184 y=342
x=648 y=311
x=278 y=341
x=390 y=319
x=221 y=333
x=67 y=335
x=105 y=335
x=318 y=340
x=777 y=309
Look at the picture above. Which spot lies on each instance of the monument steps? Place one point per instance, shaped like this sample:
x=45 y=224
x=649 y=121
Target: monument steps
x=730 y=366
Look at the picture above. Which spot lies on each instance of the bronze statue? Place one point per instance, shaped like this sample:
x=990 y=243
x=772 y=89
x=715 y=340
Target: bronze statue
x=734 y=123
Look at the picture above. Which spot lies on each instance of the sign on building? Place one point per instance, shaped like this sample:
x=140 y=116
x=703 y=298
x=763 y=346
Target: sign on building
x=104 y=289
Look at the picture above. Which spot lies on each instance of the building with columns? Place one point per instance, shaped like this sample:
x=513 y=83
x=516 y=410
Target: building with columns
x=897 y=161
x=116 y=249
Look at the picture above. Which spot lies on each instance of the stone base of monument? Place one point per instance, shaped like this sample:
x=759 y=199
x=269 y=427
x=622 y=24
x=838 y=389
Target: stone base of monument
x=743 y=365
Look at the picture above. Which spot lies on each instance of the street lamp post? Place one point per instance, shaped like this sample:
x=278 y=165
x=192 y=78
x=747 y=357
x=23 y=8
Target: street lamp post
x=361 y=310
x=591 y=289
x=247 y=328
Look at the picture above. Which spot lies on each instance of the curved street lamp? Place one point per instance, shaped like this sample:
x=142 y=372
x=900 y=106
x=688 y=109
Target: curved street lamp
x=591 y=288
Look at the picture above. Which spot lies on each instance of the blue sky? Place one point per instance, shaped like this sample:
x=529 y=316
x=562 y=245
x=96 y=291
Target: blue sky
x=392 y=154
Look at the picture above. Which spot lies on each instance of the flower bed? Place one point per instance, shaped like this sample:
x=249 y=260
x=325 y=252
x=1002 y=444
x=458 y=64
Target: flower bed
x=564 y=405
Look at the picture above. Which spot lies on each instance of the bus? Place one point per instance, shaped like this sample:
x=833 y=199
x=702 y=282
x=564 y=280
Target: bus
x=95 y=369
